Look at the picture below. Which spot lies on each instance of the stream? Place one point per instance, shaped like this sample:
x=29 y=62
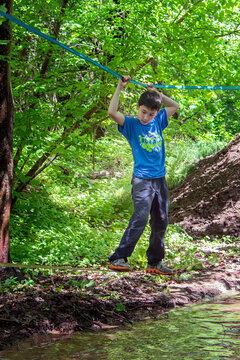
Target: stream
x=207 y=331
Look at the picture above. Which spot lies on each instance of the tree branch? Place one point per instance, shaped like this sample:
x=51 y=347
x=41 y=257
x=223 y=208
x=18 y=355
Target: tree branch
x=180 y=11
x=140 y=66
x=228 y=34
x=39 y=165
x=189 y=117
x=188 y=12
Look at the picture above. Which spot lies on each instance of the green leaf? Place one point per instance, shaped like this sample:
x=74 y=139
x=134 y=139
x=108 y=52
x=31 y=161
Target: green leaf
x=3 y=8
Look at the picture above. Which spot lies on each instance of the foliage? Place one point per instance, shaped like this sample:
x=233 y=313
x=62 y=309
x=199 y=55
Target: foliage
x=12 y=284
x=59 y=98
x=4 y=9
x=80 y=284
x=120 y=307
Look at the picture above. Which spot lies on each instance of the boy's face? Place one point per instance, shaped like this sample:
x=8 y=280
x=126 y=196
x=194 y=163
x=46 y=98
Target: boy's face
x=145 y=114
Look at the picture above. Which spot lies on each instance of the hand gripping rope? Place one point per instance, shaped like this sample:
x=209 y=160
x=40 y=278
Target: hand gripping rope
x=39 y=33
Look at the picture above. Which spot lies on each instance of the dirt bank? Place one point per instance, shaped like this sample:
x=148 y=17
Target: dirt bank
x=208 y=201
x=63 y=304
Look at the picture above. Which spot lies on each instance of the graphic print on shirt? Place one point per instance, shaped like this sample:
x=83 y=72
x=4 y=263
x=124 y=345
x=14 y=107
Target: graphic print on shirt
x=151 y=141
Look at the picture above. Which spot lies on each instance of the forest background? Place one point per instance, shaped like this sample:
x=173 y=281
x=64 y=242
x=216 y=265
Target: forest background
x=62 y=213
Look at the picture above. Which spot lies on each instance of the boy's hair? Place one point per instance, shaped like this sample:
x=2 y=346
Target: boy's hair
x=151 y=99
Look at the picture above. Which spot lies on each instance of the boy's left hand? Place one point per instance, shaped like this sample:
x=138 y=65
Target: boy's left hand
x=151 y=88
x=150 y=85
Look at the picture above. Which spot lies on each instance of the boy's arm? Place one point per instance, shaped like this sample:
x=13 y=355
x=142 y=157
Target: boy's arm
x=170 y=105
x=113 y=106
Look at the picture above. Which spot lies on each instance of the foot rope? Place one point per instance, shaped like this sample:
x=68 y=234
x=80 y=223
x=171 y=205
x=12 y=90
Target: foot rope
x=56 y=42
x=50 y=267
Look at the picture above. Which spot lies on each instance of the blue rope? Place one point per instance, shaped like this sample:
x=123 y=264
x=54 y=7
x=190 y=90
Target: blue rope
x=39 y=33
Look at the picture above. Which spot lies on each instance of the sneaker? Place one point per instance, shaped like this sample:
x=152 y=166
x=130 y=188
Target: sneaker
x=119 y=265
x=158 y=269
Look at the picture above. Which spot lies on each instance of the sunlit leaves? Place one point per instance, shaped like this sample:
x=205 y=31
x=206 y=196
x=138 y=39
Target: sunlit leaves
x=191 y=43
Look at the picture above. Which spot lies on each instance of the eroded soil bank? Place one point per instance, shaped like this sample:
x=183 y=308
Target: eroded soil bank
x=208 y=201
x=63 y=304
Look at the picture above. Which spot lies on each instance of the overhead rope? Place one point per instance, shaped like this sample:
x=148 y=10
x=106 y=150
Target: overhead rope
x=56 y=42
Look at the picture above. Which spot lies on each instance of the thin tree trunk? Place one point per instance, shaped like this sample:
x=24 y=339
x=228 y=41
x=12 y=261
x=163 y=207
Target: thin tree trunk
x=6 y=137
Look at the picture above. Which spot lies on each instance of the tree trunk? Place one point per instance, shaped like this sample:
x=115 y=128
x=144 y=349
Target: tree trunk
x=6 y=136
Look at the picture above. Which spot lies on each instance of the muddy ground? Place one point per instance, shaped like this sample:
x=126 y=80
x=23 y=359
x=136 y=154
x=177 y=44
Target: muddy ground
x=63 y=304
x=206 y=203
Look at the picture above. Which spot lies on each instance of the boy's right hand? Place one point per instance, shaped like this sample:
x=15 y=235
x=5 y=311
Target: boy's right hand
x=124 y=81
x=113 y=106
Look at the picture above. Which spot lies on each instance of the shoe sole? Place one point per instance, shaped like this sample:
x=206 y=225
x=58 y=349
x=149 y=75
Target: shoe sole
x=118 y=268
x=158 y=272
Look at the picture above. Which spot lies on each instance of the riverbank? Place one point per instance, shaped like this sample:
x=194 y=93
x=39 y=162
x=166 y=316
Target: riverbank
x=66 y=303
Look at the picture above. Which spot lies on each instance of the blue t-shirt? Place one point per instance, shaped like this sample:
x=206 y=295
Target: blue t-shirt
x=147 y=145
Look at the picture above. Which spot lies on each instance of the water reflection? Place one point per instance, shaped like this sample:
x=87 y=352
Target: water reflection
x=207 y=331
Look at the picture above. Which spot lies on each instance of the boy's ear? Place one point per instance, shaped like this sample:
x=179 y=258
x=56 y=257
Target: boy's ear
x=138 y=106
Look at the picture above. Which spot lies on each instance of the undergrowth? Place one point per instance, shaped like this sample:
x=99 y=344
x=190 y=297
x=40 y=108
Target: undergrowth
x=67 y=218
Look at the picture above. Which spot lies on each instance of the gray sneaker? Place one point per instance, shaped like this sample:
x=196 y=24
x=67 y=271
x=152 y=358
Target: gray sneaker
x=158 y=269
x=119 y=265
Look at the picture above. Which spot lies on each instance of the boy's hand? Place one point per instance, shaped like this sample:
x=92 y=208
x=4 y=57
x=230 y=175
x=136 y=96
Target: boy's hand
x=151 y=88
x=170 y=105
x=124 y=81
x=150 y=85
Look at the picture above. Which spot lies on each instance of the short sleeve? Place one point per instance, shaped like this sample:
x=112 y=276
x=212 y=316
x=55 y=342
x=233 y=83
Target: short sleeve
x=162 y=119
x=125 y=130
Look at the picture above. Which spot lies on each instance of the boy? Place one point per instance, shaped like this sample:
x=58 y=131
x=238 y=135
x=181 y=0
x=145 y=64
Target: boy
x=149 y=189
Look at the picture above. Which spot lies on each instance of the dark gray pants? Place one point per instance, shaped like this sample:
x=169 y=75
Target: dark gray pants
x=149 y=196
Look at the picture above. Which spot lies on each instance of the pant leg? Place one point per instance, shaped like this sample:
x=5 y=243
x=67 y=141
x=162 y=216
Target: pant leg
x=158 y=222
x=143 y=194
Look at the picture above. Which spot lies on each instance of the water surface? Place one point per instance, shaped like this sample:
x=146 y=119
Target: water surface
x=206 y=331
